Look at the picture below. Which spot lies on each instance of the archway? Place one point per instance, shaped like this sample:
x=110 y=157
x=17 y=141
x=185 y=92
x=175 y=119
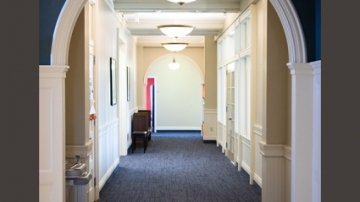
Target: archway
x=303 y=83
x=176 y=90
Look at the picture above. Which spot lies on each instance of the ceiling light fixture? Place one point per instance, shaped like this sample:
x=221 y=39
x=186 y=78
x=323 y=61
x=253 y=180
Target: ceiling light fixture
x=181 y=2
x=176 y=30
x=173 y=65
x=174 y=46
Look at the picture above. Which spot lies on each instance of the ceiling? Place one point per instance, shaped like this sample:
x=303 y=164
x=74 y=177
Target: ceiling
x=143 y=17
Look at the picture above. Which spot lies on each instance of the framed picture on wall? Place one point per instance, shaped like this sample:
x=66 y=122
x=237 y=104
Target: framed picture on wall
x=128 y=82
x=113 y=88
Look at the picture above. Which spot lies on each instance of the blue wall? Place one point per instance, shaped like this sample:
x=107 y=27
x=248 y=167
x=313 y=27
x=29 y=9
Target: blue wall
x=309 y=12
x=49 y=12
x=317 y=30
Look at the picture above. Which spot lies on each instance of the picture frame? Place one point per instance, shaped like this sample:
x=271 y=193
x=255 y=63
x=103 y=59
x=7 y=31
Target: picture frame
x=128 y=83
x=113 y=86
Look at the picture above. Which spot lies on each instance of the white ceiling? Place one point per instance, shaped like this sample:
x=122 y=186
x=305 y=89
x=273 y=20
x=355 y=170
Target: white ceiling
x=143 y=17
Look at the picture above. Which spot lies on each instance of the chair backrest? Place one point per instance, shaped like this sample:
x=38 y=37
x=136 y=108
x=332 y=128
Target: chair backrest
x=148 y=114
x=140 y=122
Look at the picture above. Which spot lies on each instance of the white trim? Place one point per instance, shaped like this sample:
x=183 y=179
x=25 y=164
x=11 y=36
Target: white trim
x=82 y=150
x=287 y=152
x=292 y=28
x=316 y=147
x=245 y=141
x=258 y=179
x=63 y=31
x=52 y=132
x=108 y=173
x=178 y=128
x=271 y=150
x=150 y=68
x=206 y=137
x=53 y=71
x=245 y=166
x=258 y=130
x=210 y=111
x=316 y=67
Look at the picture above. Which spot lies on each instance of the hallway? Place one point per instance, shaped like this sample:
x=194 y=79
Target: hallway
x=178 y=167
x=258 y=95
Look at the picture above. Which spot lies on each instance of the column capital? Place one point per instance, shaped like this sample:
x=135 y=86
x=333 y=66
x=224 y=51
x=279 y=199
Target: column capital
x=304 y=68
x=53 y=71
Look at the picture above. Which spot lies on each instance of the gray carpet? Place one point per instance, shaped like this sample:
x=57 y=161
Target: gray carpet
x=178 y=167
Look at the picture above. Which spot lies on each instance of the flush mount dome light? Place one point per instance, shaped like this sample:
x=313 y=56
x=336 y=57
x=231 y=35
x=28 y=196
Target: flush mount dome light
x=175 y=46
x=176 y=30
x=181 y=2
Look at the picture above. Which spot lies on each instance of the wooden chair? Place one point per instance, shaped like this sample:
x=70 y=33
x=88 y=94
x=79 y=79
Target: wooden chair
x=139 y=129
x=148 y=114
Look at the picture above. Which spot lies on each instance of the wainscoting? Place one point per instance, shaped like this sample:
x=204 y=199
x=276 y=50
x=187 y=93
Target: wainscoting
x=209 y=127
x=246 y=156
x=221 y=136
x=276 y=172
x=108 y=150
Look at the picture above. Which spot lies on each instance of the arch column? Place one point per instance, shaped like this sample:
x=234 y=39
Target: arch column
x=303 y=94
x=305 y=130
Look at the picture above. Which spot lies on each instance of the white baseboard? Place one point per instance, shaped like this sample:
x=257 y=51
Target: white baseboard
x=258 y=179
x=108 y=173
x=245 y=166
x=178 y=127
x=209 y=137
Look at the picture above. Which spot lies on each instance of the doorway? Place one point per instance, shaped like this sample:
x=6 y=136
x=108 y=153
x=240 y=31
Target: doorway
x=150 y=100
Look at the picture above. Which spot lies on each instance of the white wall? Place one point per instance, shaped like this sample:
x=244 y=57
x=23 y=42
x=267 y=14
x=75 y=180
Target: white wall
x=105 y=47
x=178 y=94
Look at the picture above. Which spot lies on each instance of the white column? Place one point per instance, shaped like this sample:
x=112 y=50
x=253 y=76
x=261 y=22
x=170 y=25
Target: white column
x=316 y=178
x=302 y=131
x=52 y=133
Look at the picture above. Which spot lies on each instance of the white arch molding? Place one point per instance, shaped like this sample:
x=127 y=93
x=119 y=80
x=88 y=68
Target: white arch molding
x=63 y=31
x=72 y=8
x=153 y=67
x=297 y=61
x=148 y=70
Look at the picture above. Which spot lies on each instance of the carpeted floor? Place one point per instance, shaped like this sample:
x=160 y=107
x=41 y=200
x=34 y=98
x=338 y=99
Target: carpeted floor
x=178 y=167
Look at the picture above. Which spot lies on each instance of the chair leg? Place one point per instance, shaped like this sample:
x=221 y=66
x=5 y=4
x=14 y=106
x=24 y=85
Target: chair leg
x=145 y=142
x=133 y=144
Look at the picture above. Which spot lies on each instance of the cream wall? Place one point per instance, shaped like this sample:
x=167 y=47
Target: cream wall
x=277 y=116
x=210 y=106
x=210 y=72
x=147 y=55
x=76 y=82
x=178 y=94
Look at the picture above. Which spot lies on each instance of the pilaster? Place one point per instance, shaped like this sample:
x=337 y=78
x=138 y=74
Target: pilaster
x=52 y=133
x=305 y=120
